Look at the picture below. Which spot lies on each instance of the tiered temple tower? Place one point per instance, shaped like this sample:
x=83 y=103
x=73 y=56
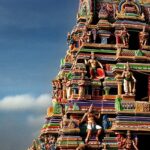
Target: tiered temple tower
x=101 y=95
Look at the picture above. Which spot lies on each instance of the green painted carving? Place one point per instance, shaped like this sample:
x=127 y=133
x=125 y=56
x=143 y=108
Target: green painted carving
x=76 y=107
x=57 y=108
x=118 y=105
x=84 y=9
x=132 y=66
x=66 y=108
x=62 y=62
x=110 y=79
x=69 y=75
x=139 y=53
x=98 y=50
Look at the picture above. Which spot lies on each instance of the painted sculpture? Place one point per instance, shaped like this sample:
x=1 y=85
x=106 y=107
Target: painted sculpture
x=143 y=37
x=123 y=36
x=91 y=124
x=93 y=66
x=129 y=80
x=126 y=142
x=101 y=94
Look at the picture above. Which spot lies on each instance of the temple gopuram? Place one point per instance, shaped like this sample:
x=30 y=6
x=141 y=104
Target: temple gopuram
x=101 y=94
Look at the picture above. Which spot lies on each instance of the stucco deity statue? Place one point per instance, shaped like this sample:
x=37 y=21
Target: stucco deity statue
x=86 y=37
x=94 y=34
x=65 y=122
x=129 y=143
x=143 y=37
x=124 y=36
x=91 y=124
x=81 y=90
x=83 y=8
x=93 y=66
x=129 y=80
x=126 y=142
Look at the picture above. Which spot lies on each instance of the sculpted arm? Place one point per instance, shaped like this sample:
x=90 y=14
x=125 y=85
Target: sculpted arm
x=134 y=145
x=85 y=61
x=83 y=118
x=100 y=64
x=123 y=74
x=133 y=78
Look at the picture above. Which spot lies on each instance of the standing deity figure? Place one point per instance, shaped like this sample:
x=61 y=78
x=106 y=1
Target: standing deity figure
x=123 y=35
x=93 y=65
x=91 y=124
x=94 y=34
x=129 y=80
x=64 y=81
x=143 y=37
x=84 y=8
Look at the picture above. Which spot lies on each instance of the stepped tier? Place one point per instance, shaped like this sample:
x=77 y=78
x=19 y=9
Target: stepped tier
x=103 y=106
x=69 y=142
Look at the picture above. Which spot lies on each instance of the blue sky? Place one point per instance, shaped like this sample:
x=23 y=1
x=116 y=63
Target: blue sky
x=32 y=42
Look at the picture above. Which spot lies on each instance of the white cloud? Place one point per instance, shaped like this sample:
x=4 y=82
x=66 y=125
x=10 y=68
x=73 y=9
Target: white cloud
x=25 y=114
x=24 y=102
x=35 y=120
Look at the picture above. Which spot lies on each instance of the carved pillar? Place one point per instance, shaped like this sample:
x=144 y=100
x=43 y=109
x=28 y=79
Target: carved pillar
x=107 y=90
x=119 y=88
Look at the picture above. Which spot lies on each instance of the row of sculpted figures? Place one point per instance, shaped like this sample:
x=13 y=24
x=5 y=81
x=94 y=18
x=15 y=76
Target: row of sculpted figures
x=120 y=37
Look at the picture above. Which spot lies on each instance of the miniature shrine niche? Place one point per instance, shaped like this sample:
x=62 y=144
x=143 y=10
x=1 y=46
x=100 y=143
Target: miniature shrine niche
x=101 y=94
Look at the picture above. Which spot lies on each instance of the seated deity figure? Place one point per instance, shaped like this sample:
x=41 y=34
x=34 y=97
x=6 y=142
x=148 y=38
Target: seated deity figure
x=93 y=66
x=129 y=143
x=126 y=142
x=128 y=80
x=68 y=122
x=121 y=140
x=91 y=124
x=65 y=122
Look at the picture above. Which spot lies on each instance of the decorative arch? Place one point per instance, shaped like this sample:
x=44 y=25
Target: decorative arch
x=122 y=4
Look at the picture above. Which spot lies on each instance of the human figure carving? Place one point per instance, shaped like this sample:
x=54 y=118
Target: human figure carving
x=94 y=34
x=124 y=35
x=143 y=37
x=64 y=87
x=130 y=144
x=129 y=80
x=65 y=122
x=93 y=65
x=91 y=123
x=86 y=37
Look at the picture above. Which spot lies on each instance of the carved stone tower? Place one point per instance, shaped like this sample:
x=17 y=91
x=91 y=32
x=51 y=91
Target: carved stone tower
x=101 y=95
